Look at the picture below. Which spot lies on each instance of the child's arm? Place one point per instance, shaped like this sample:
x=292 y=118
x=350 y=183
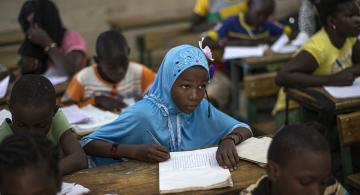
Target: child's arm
x=74 y=157
x=67 y=62
x=226 y=154
x=356 y=59
x=298 y=73
x=143 y=152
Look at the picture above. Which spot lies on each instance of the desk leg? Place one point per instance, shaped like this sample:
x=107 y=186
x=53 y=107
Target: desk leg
x=235 y=86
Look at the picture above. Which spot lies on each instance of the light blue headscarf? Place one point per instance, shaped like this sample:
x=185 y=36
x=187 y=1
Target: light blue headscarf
x=156 y=115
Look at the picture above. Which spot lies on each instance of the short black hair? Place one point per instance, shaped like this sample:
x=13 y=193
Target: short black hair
x=264 y=3
x=328 y=8
x=111 y=44
x=34 y=90
x=21 y=151
x=294 y=138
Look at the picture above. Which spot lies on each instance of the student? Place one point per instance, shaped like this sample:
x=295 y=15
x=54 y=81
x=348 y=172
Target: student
x=209 y=12
x=299 y=162
x=249 y=28
x=48 y=47
x=33 y=109
x=29 y=165
x=113 y=79
x=173 y=116
x=328 y=56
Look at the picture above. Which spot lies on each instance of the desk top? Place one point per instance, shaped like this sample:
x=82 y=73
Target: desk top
x=135 y=177
x=269 y=57
x=340 y=104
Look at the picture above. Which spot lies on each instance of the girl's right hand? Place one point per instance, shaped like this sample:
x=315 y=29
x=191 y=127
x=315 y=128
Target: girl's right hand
x=150 y=153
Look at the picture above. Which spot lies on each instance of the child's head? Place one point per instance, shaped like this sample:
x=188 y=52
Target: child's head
x=299 y=161
x=181 y=79
x=341 y=16
x=112 y=55
x=32 y=104
x=259 y=11
x=29 y=165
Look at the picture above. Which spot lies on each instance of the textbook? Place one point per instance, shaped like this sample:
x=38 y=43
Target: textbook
x=199 y=170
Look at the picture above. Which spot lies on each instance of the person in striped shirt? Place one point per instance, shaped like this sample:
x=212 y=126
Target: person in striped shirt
x=114 y=81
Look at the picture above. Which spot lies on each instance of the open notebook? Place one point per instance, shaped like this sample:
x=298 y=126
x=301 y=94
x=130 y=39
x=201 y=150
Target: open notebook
x=199 y=170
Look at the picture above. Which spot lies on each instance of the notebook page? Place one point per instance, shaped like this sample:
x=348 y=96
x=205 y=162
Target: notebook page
x=192 y=170
x=254 y=149
x=237 y=52
x=4 y=86
x=74 y=115
x=352 y=91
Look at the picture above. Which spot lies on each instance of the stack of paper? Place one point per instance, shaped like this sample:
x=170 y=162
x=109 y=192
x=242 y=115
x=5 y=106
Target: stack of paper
x=98 y=118
x=254 y=150
x=352 y=91
x=74 y=115
x=192 y=170
x=72 y=189
x=281 y=45
x=237 y=52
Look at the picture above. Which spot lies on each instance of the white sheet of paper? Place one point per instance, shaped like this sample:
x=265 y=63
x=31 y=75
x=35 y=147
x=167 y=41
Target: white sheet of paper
x=75 y=115
x=192 y=170
x=254 y=149
x=352 y=91
x=300 y=39
x=280 y=43
x=4 y=86
x=237 y=52
x=4 y=114
x=98 y=118
x=55 y=76
x=72 y=189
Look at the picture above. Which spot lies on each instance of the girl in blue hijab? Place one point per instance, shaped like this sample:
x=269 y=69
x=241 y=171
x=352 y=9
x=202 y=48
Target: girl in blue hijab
x=173 y=116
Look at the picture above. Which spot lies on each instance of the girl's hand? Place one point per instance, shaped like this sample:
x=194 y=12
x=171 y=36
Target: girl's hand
x=226 y=155
x=38 y=36
x=343 y=78
x=150 y=153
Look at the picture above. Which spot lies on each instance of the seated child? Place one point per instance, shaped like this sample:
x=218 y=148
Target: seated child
x=173 y=116
x=327 y=58
x=299 y=162
x=249 y=28
x=113 y=79
x=33 y=109
x=209 y=12
x=48 y=47
x=29 y=165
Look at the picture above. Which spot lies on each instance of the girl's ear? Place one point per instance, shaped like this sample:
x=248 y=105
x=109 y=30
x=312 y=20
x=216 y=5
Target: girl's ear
x=273 y=170
x=331 y=23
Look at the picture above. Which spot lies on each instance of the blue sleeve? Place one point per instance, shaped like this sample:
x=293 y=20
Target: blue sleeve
x=274 y=29
x=222 y=29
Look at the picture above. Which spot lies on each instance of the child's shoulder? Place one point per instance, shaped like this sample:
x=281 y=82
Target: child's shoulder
x=86 y=74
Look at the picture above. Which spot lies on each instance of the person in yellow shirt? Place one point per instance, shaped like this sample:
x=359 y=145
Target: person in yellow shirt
x=209 y=12
x=328 y=58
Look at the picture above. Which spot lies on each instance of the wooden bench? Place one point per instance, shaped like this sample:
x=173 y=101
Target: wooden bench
x=164 y=40
x=11 y=36
x=258 y=86
x=349 y=133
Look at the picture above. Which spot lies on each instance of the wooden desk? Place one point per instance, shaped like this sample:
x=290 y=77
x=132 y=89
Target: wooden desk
x=341 y=105
x=11 y=36
x=248 y=64
x=136 y=22
x=135 y=177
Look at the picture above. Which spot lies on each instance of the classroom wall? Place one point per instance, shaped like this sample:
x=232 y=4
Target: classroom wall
x=89 y=16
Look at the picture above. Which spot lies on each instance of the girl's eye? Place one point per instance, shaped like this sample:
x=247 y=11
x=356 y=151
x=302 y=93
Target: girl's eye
x=202 y=86
x=185 y=86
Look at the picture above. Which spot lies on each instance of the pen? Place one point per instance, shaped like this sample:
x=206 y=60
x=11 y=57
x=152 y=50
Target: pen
x=153 y=137
x=339 y=64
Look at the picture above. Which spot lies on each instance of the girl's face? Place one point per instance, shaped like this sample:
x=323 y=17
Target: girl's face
x=29 y=181
x=347 y=19
x=189 y=89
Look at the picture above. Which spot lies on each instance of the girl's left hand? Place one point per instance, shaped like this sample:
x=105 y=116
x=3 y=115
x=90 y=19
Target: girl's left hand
x=227 y=156
x=38 y=36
